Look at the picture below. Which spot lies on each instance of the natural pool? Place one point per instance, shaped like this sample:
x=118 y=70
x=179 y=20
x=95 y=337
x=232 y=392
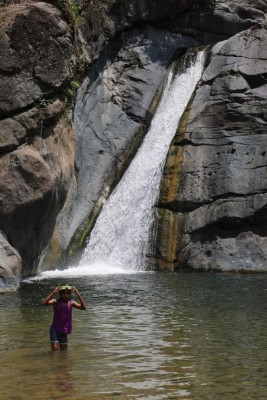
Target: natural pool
x=144 y=336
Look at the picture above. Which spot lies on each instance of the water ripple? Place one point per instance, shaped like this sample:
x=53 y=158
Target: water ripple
x=144 y=336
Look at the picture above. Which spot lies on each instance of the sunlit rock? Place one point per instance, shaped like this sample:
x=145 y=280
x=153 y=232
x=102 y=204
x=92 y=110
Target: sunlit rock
x=215 y=180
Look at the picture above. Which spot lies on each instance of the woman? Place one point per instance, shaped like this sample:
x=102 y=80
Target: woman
x=62 y=321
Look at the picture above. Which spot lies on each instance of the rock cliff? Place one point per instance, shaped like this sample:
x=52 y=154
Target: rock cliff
x=213 y=201
x=119 y=51
x=37 y=139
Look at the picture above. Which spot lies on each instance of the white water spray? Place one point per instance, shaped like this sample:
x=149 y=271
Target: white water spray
x=121 y=233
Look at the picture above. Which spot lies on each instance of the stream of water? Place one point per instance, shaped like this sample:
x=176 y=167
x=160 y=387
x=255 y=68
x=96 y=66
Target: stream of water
x=121 y=233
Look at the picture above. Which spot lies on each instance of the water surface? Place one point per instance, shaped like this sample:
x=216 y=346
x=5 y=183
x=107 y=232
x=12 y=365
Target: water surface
x=144 y=336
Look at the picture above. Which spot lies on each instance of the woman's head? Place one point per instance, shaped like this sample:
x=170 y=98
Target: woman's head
x=65 y=292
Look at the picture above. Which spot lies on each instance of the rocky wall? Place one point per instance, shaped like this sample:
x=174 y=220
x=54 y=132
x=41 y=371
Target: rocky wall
x=213 y=201
x=37 y=139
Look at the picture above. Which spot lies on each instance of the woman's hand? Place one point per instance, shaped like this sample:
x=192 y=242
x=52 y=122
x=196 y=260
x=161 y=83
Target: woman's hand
x=81 y=305
x=48 y=300
x=75 y=290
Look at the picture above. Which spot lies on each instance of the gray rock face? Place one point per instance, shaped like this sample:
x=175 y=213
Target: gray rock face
x=207 y=21
x=36 y=57
x=34 y=181
x=36 y=140
x=228 y=17
x=215 y=197
x=10 y=266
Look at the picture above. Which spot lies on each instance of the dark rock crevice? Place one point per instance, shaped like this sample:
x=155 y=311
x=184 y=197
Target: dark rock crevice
x=231 y=227
x=189 y=206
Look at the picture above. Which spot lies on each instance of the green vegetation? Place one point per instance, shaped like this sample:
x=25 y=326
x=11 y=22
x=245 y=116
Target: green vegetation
x=69 y=95
x=72 y=11
x=72 y=89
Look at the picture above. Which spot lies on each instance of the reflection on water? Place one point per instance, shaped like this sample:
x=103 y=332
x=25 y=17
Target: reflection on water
x=144 y=336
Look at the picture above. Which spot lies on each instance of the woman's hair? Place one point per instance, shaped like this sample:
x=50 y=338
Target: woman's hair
x=65 y=288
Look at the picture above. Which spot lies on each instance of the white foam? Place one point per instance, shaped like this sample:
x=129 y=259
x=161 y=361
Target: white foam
x=82 y=270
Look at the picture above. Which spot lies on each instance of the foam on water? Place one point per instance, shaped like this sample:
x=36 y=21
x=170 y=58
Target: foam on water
x=96 y=268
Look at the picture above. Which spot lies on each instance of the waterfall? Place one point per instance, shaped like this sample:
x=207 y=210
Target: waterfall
x=121 y=233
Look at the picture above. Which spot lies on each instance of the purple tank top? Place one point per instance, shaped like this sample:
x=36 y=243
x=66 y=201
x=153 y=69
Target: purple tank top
x=62 y=321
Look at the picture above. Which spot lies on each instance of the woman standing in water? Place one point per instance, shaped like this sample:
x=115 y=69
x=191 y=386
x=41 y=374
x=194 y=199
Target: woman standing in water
x=62 y=321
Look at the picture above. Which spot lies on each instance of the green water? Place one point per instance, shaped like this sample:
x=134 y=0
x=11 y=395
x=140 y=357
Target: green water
x=144 y=336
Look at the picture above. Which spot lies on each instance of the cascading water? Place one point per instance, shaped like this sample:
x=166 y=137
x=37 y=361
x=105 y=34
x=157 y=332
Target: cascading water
x=121 y=233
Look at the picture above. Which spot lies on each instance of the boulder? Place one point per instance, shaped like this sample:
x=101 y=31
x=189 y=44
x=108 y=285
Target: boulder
x=34 y=182
x=10 y=267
